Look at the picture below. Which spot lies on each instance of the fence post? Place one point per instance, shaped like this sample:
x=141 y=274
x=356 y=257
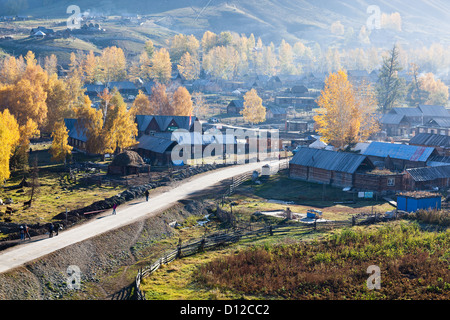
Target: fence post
x=179 y=248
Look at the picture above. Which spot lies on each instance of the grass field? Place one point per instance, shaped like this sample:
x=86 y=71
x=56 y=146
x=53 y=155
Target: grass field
x=55 y=192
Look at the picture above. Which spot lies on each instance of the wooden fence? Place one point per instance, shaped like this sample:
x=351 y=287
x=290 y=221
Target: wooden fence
x=224 y=238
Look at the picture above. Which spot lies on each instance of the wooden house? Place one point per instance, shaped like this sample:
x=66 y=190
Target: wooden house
x=77 y=135
x=427 y=178
x=328 y=167
x=276 y=113
x=398 y=157
x=235 y=106
x=440 y=142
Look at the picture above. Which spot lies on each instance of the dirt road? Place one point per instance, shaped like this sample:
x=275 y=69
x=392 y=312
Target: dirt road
x=126 y=214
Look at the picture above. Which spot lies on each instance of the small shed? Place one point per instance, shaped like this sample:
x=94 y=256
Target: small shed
x=126 y=163
x=418 y=200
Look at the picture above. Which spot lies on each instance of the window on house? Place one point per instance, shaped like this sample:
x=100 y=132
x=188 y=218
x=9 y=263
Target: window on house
x=391 y=182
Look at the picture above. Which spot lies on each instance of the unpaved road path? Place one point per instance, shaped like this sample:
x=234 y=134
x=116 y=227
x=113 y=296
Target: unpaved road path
x=126 y=214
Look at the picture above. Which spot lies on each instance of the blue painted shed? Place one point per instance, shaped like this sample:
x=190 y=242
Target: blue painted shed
x=413 y=201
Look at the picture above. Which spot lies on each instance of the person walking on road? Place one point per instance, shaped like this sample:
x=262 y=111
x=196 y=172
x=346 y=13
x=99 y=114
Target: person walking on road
x=50 y=230
x=114 y=208
x=22 y=233
x=56 y=229
x=146 y=195
x=27 y=232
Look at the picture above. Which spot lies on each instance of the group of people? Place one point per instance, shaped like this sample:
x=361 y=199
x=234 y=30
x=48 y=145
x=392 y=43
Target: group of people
x=25 y=232
x=53 y=228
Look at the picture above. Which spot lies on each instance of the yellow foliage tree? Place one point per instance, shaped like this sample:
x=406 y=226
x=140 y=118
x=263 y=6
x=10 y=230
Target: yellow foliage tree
x=142 y=106
x=253 y=112
x=161 y=68
x=120 y=129
x=160 y=102
x=436 y=90
x=189 y=67
x=346 y=115
x=90 y=122
x=182 y=102
x=9 y=136
x=60 y=147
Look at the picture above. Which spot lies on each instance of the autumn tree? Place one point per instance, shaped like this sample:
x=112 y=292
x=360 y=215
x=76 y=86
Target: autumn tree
x=12 y=69
x=9 y=136
x=180 y=44
x=436 y=92
x=90 y=66
x=90 y=123
x=119 y=129
x=182 y=102
x=286 y=58
x=112 y=64
x=253 y=112
x=26 y=98
x=149 y=48
x=189 y=67
x=200 y=105
x=51 y=64
x=141 y=105
x=209 y=41
x=60 y=148
x=391 y=88
x=346 y=115
x=161 y=68
x=160 y=102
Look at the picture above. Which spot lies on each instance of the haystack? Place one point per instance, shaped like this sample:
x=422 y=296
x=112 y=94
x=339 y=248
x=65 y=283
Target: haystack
x=125 y=163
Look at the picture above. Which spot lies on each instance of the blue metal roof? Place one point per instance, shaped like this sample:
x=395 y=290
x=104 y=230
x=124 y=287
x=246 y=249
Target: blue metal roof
x=74 y=131
x=398 y=151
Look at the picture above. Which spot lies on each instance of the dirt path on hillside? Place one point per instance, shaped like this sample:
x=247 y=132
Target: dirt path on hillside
x=160 y=199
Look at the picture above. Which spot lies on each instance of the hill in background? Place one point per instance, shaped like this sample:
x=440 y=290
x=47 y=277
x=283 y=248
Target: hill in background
x=308 y=20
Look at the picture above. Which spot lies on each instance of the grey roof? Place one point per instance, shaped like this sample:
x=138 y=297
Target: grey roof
x=399 y=151
x=440 y=122
x=409 y=112
x=122 y=85
x=155 y=144
x=390 y=118
x=163 y=122
x=429 y=139
x=434 y=111
x=237 y=103
x=74 y=131
x=429 y=173
x=328 y=160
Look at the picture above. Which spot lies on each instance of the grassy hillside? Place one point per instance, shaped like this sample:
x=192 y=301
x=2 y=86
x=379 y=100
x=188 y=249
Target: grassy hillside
x=270 y=19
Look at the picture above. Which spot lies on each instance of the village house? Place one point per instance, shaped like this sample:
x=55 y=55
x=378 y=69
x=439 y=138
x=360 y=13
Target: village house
x=406 y=121
x=77 y=135
x=276 y=113
x=235 y=106
x=398 y=157
x=125 y=88
x=303 y=103
x=148 y=124
x=435 y=126
x=328 y=167
x=427 y=178
x=440 y=142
